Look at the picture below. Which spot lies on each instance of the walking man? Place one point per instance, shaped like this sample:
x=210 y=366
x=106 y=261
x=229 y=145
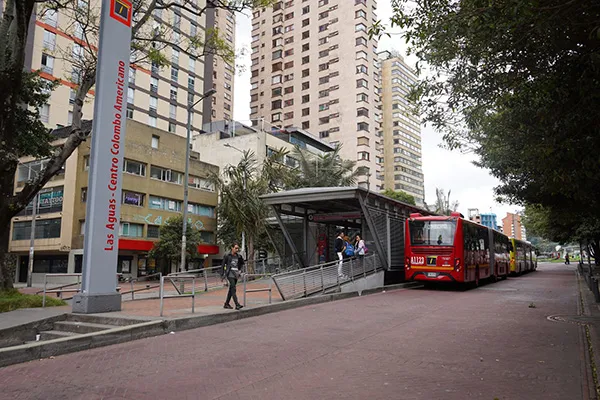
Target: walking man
x=339 y=248
x=233 y=263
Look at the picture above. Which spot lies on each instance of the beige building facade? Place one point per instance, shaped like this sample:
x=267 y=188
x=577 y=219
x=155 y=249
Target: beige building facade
x=153 y=176
x=224 y=142
x=218 y=73
x=401 y=129
x=314 y=67
x=158 y=95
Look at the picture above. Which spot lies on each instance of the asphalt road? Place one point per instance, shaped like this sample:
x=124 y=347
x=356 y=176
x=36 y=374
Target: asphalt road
x=494 y=342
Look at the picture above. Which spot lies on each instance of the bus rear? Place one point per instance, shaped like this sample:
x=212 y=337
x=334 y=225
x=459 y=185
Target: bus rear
x=433 y=248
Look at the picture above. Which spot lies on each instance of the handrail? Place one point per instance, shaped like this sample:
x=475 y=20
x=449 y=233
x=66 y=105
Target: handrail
x=322 y=277
x=60 y=289
x=142 y=279
x=246 y=290
x=162 y=293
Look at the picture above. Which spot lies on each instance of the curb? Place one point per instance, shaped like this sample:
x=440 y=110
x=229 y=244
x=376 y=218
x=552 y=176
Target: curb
x=121 y=334
x=589 y=341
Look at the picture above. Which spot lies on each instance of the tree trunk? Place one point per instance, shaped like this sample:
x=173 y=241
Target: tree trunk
x=594 y=249
x=250 y=260
x=8 y=262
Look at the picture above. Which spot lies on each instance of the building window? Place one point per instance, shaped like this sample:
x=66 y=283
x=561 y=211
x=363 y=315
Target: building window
x=323 y=28
x=305 y=112
x=130 y=95
x=288 y=90
x=134 y=167
x=362 y=126
x=161 y=203
x=70 y=117
x=129 y=113
x=323 y=107
x=360 y=14
x=288 y=103
x=173 y=93
x=288 y=115
x=47 y=63
x=51 y=17
x=305 y=22
x=155 y=141
x=153 y=103
x=201 y=183
x=83 y=195
x=360 y=27
x=305 y=35
x=128 y=229
x=361 y=55
x=49 y=40
x=276 y=79
x=305 y=125
x=361 y=41
x=276 y=117
x=166 y=175
x=362 y=83
x=154 y=85
x=133 y=198
x=305 y=98
x=173 y=111
x=362 y=97
x=153 y=232
x=362 y=69
x=362 y=112
x=172 y=127
x=174 y=74
x=44 y=229
x=45 y=113
x=323 y=134
x=364 y=155
x=305 y=10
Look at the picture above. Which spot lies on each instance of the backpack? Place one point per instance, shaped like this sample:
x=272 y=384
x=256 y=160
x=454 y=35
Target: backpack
x=349 y=249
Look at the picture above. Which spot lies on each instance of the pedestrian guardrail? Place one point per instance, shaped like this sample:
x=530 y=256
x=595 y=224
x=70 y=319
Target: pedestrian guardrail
x=591 y=275
x=256 y=290
x=180 y=276
x=146 y=278
x=320 y=278
x=274 y=265
x=68 y=288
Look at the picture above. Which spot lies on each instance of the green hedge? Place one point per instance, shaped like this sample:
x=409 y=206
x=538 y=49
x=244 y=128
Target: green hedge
x=13 y=299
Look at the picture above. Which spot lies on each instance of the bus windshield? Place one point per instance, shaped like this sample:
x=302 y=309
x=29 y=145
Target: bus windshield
x=432 y=233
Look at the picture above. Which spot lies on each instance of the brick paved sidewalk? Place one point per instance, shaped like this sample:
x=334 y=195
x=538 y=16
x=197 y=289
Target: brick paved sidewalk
x=486 y=343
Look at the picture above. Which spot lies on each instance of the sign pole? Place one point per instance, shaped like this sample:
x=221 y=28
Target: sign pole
x=101 y=242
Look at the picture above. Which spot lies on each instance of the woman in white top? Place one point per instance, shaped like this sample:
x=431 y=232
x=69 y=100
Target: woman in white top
x=359 y=248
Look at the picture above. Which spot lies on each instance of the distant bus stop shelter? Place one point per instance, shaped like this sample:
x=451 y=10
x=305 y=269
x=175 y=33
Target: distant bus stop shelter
x=310 y=217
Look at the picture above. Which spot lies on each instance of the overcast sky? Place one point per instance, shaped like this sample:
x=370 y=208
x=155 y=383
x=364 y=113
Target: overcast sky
x=471 y=186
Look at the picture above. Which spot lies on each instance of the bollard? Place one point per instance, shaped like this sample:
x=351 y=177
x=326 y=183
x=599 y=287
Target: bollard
x=131 y=284
x=193 y=294
x=244 y=279
x=162 y=282
x=205 y=280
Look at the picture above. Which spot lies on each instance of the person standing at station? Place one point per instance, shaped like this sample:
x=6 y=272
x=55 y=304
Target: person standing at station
x=360 y=249
x=567 y=260
x=339 y=248
x=233 y=264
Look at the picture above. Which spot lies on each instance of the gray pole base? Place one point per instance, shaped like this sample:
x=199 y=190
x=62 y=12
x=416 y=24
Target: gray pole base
x=85 y=303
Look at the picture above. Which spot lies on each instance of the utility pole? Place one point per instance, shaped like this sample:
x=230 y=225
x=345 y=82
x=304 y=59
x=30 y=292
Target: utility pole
x=32 y=240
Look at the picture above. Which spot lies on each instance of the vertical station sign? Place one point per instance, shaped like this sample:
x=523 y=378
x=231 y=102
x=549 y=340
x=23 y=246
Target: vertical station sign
x=106 y=162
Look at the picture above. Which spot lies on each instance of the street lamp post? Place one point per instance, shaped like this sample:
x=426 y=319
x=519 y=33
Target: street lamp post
x=32 y=240
x=244 y=184
x=190 y=108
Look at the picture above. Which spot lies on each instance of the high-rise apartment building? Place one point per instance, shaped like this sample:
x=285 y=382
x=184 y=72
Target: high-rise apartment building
x=401 y=129
x=314 y=67
x=157 y=96
x=219 y=74
x=512 y=226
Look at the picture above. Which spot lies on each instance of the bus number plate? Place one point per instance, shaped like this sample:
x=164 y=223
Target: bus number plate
x=414 y=260
x=431 y=275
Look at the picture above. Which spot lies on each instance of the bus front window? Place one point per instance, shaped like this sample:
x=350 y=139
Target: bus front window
x=432 y=233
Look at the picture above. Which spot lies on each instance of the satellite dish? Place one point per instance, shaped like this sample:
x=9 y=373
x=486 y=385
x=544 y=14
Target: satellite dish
x=558 y=247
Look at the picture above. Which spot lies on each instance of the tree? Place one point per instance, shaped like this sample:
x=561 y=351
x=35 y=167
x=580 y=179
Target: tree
x=22 y=134
x=400 y=196
x=443 y=205
x=518 y=83
x=322 y=170
x=169 y=245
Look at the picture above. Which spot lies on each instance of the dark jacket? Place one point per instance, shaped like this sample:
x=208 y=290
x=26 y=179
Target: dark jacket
x=339 y=245
x=231 y=261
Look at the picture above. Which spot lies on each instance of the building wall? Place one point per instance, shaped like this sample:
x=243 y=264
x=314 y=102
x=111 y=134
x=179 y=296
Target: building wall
x=138 y=147
x=218 y=73
x=511 y=225
x=401 y=129
x=170 y=111
x=310 y=52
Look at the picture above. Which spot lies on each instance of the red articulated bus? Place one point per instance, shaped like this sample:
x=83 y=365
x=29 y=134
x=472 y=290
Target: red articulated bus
x=453 y=250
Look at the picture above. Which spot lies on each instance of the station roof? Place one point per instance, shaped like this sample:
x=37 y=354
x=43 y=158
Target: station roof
x=331 y=199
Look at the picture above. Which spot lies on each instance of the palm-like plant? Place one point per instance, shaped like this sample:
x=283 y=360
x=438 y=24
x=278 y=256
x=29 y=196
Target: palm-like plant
x=325 y=170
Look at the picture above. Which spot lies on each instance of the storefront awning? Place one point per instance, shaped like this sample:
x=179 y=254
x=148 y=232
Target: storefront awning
x=147 y=245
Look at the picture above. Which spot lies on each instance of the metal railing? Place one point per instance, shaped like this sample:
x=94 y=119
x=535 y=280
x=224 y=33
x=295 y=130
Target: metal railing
x=146 y=278
x=274 y=265
x=180 y=276
x=320 y=278
x=59 y=290
x=263 y=289
x=591 y=276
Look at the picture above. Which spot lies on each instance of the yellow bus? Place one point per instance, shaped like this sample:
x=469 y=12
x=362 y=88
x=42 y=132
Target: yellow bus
x=522 y=257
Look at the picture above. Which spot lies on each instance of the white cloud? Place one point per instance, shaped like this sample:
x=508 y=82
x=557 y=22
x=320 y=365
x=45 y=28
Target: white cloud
x=470 y=185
